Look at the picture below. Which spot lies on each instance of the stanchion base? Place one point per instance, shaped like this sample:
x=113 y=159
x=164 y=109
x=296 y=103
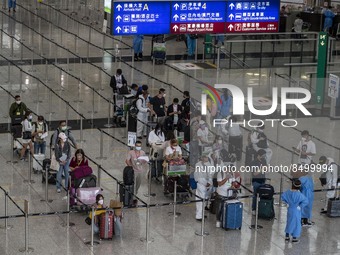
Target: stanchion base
x=29 y=250
x=143 y=239
x=108 y=125
x=253 y=227
x=8 y=227
x=151 y=195
x=48 y=201
x=13 y=162
x=70 y=224
x=199 y=233
x=94 y=243
x=29 y=181
x=176 y=214
x=101 y=158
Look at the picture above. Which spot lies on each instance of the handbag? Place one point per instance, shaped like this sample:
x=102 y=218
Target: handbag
x=27 y=135
x=88 y=221
x=323 y=178
x=54 y=163
x=124 y=90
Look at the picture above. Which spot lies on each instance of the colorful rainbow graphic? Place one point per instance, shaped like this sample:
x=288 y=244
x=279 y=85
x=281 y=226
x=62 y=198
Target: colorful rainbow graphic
x=212 y=92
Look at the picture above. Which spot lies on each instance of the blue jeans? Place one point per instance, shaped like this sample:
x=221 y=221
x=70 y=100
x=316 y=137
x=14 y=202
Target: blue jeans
x=39 y=147
x=256 y=185
x=65 y=169
x=12 y=4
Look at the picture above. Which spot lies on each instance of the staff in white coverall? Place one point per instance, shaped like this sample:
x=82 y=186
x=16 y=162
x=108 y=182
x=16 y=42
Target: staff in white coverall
x=204 y=179
x=331 y=179
x=142 y=104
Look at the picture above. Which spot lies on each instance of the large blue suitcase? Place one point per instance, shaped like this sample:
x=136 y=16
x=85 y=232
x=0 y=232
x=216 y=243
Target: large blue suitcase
x=232 y=214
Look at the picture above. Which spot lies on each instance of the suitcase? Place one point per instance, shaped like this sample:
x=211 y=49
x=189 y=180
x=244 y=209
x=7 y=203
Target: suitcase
x=232 y=214
x=266 y=209
x=333 y=207
x=87 y=196
x=81 y=171
x=106 y=225
x=73 y=196
x=266 y=191
x=125 y=196
x=38 y=161
x=159 y=53
x=85 y=182
x=235 y=146
x=52 y=177
x=182 y=184
x=250 y=153
x=128 y=175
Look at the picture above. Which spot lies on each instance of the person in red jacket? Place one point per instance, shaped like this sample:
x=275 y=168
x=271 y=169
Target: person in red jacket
x=79 y=159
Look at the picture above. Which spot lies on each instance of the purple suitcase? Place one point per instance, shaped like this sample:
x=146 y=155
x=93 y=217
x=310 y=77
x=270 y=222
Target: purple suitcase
x=87 y=196
x=81 y=171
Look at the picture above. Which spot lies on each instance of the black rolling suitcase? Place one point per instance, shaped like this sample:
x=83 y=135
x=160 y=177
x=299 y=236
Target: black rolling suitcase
x=85 y=182
x=266 y=203
x=126 y=193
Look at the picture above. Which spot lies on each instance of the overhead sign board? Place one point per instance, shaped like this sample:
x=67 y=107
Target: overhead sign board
x=252 y=16
x=195 y=17
x=131 y=18
x=198 y=17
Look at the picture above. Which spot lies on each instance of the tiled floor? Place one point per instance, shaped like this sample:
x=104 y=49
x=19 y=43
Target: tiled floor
x=54 y=90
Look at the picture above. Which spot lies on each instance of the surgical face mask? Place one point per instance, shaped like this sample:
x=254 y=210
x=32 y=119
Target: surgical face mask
x=304 y=139
x=64 y=140
x=18 y=102
x=138 y=148
x=164 y=95
x=101 y=202
x=174 y=146
x=219 y=141
x=63 y=128
x=40 y=122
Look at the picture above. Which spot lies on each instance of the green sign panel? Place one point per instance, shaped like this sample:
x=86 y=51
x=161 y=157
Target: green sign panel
x=322 y=67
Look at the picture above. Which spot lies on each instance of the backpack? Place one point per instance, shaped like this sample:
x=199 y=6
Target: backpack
x=133 y=110
x=67 y=133
x=262 y=144
x=36 y=124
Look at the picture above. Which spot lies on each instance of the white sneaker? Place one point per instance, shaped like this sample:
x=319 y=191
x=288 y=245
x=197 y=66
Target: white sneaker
x=218 y=224
x=58 y=190
x=253 y=213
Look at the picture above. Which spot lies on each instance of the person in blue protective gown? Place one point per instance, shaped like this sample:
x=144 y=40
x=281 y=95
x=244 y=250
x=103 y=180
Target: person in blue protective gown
x=307 y=189
x=329 y=16
x=138 y=47
x=296 y=201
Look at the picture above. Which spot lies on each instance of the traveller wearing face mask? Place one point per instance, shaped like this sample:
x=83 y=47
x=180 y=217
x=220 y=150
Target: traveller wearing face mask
x=158 y=106
x=78 y=160
x=27 y=129
x=17 y=109
x=202 y=135
x=63 y=129
x=204 y=178
x=98 y=205
x=174 y=112
x=63 y=155
x=157 y=140
x=259 y=141
x=143 y=106
x=138 y=166
x=173 y=152
x=134 y=89
x=117 y=81
x=306 y=148
x=235 y=137
x=40 y=133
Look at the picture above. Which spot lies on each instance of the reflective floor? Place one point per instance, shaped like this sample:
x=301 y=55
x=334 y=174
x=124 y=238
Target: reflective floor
x=60 y=76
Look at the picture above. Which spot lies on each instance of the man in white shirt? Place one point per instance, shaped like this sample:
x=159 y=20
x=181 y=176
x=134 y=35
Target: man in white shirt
x=331 y=179
x=202 y=135
x=173 y=151
x=143 y=109
x=306 y=149
x=204 y=179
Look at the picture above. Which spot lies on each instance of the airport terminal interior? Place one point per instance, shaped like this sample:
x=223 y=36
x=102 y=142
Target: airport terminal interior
x=54 y=54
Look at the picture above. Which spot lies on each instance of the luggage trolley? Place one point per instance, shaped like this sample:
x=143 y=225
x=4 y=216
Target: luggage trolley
x=121 y=102
x=159 y=53
x=178 y=173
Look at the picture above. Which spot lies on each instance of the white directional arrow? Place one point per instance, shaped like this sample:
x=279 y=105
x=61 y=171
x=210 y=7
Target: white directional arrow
x=231 y=16
x=175 y=27
x=322 y=43
x=176 y=17
x=231 y=6
x=118 y=18
x=118 y=29
x=119 y=7
x=230 y=27
x=176 y=6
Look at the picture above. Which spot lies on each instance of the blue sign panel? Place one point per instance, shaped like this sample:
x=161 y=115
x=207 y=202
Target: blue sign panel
x=252 y=16
x=131 y=18
x=198 y=17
